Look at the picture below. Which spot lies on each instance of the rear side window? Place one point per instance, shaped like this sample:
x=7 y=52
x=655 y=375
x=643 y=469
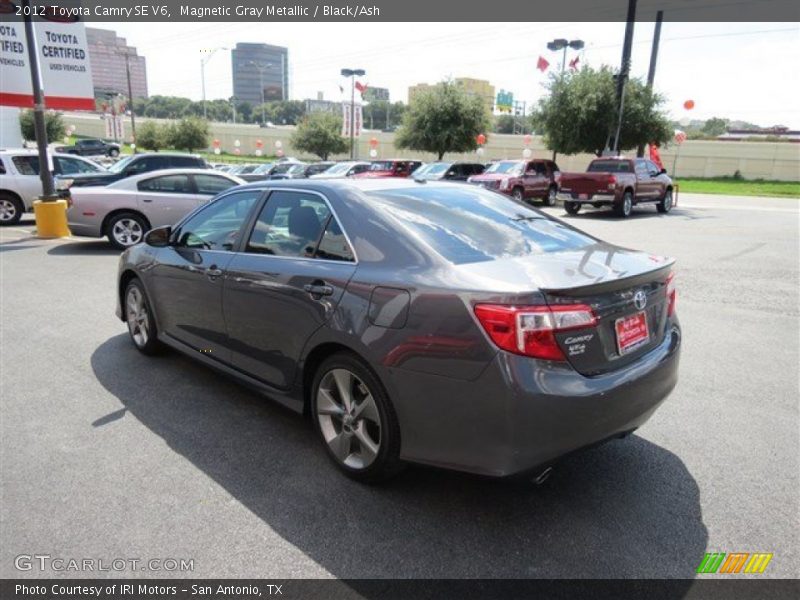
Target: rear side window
x=26 y=165
x=184 y=161
x=468 y=225
x=212 y=184
x=333 y=244
x=2 y=167
x=168 y=184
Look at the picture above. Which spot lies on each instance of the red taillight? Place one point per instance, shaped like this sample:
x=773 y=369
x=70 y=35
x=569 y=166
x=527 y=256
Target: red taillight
x=530 y=330
x=672 y=294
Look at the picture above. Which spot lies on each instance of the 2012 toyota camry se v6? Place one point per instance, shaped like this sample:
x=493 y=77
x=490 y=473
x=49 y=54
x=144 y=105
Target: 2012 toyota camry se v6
x=413 y=321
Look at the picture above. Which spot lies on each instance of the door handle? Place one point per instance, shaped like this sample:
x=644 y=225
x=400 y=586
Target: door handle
x=147 y=199
x=213 y=272
x=318 y=288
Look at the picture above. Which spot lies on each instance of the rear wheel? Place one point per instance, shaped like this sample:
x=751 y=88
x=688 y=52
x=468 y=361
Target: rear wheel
x=624 y=208
x=114 y=152
x=355 y=419
x=518 y=194
x=11 y=209
x=550 y=200
x=572 y=207
x=125 y=230
x=665 y=205
x=139 y=317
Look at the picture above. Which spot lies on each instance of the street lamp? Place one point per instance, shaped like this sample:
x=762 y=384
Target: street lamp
x=261 y=68
x=562 y=44
x=203 y=62
x=352 y=74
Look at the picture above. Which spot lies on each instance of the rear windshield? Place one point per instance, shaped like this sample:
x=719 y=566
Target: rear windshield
x=505 y=166
x=468 y=225
x=609 y=166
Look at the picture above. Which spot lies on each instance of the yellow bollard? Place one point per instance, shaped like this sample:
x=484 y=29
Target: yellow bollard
x=51 y=219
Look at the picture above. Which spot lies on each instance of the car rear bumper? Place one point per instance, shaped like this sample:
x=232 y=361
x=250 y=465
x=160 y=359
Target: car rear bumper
x=84 y=229
x=590 y=199
x=522 y=414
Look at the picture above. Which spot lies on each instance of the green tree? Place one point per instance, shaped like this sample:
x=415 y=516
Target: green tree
x=443 y=119
x=320 y=134
x=53 y=124
x=715 y=126
x=188 y=134
x=580 y=113
x=152 y=136
x=503 y=124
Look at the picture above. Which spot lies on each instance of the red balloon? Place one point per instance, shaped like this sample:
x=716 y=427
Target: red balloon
x=259 y=144
x=216 y=143
x=373 y=142
x=688 y=105
x=527 y=139
x=481 y=139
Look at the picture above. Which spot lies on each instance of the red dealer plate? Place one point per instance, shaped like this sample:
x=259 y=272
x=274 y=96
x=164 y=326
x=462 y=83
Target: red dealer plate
x=583 y=196
x=631 y=332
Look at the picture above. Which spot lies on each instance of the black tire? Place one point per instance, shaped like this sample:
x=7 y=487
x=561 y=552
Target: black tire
x=126 y=229
x=572 y=208
x=625 y=207
x=11 y=209
x=518 y=194
x=665 y=204
x=140 y=319
x=331 y=427
x=114 y=152
x=550 y=199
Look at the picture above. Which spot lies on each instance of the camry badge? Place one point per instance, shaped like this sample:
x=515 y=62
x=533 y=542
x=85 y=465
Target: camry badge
x=640 y=300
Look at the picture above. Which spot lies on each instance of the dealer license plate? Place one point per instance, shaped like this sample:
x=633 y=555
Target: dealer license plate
x=631 y=332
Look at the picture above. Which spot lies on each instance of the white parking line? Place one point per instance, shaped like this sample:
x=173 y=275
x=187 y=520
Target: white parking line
x=749 y=208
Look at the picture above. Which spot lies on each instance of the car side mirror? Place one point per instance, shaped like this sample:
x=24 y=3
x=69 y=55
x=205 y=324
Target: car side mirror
x=158 y=237
x=662 y=172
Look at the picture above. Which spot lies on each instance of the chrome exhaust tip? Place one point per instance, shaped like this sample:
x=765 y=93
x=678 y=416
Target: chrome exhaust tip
x=543 y=476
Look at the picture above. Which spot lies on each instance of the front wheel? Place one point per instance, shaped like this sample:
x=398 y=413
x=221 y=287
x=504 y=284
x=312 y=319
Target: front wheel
x=139 y=317
x=355 y=419
x=624 y=208
x=572 y=207
x=550 y=199
x=665 y=205
x=114 y=152
x=125 y=230
x=518 y=194
x=11 y=209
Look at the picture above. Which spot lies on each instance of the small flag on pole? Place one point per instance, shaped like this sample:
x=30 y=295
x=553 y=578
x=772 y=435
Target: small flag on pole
x=361 y=87
x=542 y=64
x=573 y=64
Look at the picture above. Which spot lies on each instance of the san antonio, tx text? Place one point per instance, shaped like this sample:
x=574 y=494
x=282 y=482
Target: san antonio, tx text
x=142 y=589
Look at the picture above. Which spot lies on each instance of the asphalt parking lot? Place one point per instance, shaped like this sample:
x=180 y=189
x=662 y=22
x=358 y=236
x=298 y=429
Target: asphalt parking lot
x=105 y=453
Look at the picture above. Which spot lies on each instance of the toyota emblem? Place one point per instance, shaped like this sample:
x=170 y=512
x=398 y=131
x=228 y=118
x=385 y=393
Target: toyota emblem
x=640 y=300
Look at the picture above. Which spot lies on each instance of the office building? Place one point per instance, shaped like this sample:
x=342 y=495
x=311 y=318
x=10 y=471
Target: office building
x=260 y=73
x=107 y=53
x=479 y=88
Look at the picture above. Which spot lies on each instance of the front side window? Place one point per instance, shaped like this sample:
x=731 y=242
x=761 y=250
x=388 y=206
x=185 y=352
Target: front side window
x=70 y=166
x=168 y=184
x=212 y=184
x=217 y=226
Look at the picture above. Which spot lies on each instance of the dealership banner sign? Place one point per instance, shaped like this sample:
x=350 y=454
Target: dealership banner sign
x=63 y=60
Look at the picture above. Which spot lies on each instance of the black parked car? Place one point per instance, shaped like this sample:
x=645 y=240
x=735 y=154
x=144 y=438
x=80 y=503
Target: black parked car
x=414 y=321
x=139 y=163
x=91 y=147
x=449 y=171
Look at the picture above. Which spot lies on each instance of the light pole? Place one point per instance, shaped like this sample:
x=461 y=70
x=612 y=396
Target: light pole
x=130 y=99
x=261 y=68
x=233 y=101
x=562 y=44
x=352 y=73
x=203 y=62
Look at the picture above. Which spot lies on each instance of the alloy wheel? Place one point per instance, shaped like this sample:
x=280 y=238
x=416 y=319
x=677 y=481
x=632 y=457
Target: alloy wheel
x=551 y=197
x=127 y=232
x=137 y=317
x=8 y=211
x=348 y=418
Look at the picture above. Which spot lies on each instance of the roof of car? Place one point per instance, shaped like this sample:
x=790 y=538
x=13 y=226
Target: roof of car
x=364 y=185
x=177 y=171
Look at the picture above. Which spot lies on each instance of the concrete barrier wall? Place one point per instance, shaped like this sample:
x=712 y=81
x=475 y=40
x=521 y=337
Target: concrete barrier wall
x=699 y=158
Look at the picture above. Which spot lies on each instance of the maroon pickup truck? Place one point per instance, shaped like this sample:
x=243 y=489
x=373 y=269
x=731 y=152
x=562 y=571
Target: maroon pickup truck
x=619 y=182
x=522 y=179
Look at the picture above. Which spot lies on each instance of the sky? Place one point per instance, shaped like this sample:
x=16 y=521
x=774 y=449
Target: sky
x=741 y=71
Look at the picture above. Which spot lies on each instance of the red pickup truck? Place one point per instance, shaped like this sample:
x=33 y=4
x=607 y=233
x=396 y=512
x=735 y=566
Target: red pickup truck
x=619 y=182
x=522 y=179
x=389 y=168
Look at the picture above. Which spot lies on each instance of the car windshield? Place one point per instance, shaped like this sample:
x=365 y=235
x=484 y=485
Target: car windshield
x=338 y=168
x=609 y=166
x=382 y=166
x=120 y=165
x=508 y=167
x=470 y=225
x=295 y=169
x=431 y=169
x=262 y=169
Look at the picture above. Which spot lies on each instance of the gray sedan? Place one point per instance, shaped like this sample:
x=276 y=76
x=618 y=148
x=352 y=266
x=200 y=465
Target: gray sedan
x=127 y=209
x=413 y=321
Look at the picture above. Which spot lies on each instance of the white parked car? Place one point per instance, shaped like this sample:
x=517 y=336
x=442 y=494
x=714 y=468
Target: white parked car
x=19 y=179
x=127 y=209
x=343 y=169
